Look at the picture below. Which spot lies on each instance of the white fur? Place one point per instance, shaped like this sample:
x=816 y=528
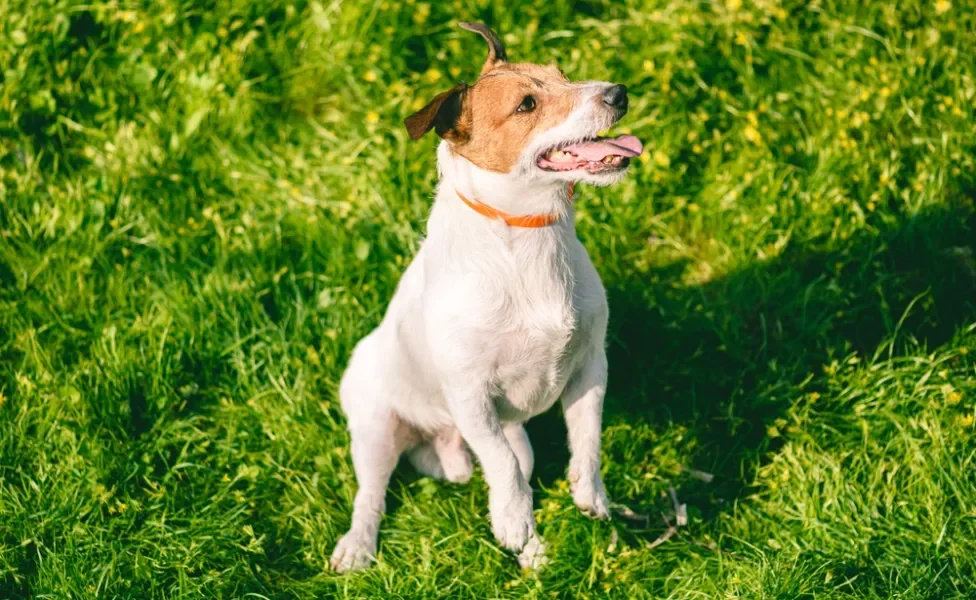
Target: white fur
x=489 y=326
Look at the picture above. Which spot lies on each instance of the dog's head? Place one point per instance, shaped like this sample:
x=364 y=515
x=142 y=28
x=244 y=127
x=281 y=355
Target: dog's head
x=529 y=120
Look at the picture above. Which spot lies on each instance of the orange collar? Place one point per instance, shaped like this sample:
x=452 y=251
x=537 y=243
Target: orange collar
x=514 y=220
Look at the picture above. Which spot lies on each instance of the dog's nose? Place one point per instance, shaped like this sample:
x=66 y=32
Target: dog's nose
x=616 y=97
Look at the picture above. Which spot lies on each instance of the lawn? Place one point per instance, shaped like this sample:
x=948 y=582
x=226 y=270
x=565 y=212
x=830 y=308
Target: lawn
x=204 y=205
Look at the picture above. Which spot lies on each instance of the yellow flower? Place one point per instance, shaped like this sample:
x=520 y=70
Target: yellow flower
x=313 y=355
x=733 y=4
x=369 y=76
x=952 y=397
x=661 y=159
x=421 y=13
x=942 y=6
x=966 y=421
x=752 y=134
x=372 y=117
x=433 y=75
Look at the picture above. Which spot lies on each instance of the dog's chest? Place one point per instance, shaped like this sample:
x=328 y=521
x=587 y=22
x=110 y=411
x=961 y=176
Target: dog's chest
x=540 y=348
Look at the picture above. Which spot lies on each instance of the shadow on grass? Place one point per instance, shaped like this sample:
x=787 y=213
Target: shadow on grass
x=723 y=360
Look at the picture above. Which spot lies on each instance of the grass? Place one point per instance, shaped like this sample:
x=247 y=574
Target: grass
x=203 y=206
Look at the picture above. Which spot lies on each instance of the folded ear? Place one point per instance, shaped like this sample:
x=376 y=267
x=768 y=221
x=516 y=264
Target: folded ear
x=441 y=114
x=496 y=51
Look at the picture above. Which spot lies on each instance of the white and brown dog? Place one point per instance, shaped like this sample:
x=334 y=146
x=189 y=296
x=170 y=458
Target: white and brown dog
x=501 y=313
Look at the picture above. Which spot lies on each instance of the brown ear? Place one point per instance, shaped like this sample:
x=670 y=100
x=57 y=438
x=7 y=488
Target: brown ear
x=441 y=114
x=496 y=51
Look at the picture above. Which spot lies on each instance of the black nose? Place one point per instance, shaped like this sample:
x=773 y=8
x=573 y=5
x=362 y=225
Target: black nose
x=616 y=97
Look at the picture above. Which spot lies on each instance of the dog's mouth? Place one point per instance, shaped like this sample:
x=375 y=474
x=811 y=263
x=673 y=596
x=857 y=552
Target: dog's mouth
x=595 y=155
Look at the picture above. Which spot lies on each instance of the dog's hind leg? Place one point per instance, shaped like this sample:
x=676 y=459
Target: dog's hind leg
x=518 y=439
x=425 y=460
x=443 y=457
x=379 y=436
x=376 y=448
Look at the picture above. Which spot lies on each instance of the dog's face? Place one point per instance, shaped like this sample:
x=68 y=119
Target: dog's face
x=529 y=120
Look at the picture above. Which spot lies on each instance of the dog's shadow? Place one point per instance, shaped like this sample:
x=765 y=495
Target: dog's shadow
x=709 y=368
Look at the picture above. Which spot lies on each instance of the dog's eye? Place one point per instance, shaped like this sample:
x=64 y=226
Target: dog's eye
x=528 y=105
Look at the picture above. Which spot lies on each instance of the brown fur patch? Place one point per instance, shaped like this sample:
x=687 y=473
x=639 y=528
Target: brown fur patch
x=482 y=123
x=493 y=133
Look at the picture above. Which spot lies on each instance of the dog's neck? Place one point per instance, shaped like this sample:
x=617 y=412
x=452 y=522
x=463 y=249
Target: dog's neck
x=514 y=195
x=533 y=260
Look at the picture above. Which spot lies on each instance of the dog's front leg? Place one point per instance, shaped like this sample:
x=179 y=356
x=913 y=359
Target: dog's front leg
x=583 y=407
x=510 y=497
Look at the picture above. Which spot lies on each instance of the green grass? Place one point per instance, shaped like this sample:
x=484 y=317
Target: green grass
x=203 y=208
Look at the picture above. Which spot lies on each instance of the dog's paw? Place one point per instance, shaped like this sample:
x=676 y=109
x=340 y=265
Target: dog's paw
x=458 y=467
x=590 y=497
x=533 y=556
x=512 y=521
x=353 y=552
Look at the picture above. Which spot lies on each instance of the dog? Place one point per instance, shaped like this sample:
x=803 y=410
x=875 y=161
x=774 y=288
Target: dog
x=501 y=313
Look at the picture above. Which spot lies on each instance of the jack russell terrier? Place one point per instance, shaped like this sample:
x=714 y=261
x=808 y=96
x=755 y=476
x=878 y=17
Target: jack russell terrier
x=501 y=313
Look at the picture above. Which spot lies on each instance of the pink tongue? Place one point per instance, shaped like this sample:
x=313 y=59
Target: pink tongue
x=622 y=145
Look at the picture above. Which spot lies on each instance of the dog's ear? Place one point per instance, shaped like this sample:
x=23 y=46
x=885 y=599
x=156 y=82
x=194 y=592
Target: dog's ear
x=441 y=114
x=496 y=51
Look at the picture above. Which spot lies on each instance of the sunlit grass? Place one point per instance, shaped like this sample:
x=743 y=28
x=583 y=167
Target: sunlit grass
x=202 y=209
